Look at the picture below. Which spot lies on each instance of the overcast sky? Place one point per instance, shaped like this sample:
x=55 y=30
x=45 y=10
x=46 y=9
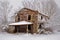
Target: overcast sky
x=58 y=2
x=18 y=2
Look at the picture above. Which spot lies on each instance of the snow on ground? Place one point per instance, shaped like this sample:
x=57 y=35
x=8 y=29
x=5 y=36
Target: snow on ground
x=21 y=36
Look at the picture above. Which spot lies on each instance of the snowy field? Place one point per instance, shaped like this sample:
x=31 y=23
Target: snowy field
x=21 y=36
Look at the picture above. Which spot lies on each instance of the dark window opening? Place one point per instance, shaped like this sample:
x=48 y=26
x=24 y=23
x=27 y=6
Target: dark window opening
x=29 y=27
x=41 y=17
x=40 y=26
x=18 y=18
x=29 y=17
x=15 y=29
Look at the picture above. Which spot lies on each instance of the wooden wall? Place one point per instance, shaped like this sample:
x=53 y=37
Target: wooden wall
x=23 y=14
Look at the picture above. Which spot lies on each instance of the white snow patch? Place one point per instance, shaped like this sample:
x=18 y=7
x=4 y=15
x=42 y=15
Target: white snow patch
x=22 y=36
x=21 y=23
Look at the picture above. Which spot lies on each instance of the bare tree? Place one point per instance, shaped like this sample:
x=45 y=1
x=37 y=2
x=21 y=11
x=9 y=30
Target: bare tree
x=32 y=4
x=47 y=7
x=4 y=11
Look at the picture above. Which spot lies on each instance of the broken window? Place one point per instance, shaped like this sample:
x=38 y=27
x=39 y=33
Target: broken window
x=29 y=27
x=40 y=26
x=18 y=18
x=29 y=17
x=41 y=17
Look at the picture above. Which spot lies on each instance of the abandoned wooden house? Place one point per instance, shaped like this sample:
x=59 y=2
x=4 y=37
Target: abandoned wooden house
x=28 y=20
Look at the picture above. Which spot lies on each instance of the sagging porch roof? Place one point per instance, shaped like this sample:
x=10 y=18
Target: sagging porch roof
x=21 y=23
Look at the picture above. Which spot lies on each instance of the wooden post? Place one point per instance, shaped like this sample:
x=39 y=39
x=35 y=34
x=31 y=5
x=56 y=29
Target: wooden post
x=27 y=29
x=32 y=29
x=17 y=29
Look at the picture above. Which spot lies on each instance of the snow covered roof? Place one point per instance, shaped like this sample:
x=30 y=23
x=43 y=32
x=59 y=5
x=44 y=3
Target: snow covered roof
x=21 y=23
x=44 y=14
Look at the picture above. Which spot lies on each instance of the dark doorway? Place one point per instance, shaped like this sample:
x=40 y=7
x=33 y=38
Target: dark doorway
x=29 y=28
x=17 y=29
x=21 y=29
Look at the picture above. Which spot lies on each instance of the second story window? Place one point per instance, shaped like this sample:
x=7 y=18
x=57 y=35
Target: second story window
x=41 y=17
x=18 y=18
x=29 y=17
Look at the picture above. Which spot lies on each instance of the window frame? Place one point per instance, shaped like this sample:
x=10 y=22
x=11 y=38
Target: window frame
x=41 y=17
x=29 y=17
x=18 y=18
